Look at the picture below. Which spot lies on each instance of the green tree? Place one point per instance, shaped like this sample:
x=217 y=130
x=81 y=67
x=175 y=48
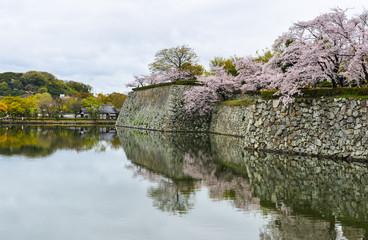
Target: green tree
x=175 y=57
x=35 y=78
x=30 y=106
x=92 y=105
x=117 y=99
x=45 y=104
x=103 y=99
x=9 y=76
x=42 y=90
x=74 y=106
x=90 y=101
x=195 y=70
x=59 y=106
x=94 y=112
x=264 y=56
x=17 y=84
x=79 y=87
x=55 y=89
x=227 y=63
x=4 y=87
x=14 y=105
x=50 y=77
x=81 y=95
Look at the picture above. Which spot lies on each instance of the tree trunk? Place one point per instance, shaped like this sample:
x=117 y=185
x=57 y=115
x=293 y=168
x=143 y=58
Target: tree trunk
x=334 y=85
x=365 y=72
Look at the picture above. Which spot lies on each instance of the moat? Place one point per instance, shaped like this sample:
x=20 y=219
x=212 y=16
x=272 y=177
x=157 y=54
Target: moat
x=107 y=183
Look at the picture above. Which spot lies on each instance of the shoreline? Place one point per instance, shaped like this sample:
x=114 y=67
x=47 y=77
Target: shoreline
x=250 y=149
x=61 y=122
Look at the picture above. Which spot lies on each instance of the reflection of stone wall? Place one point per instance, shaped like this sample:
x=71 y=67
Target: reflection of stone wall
x=159 y=109
x=153 y=154
x=321 y=187
x=286 y=226
x=306 y=197
x=221 y=181
x=161 y=153
x=184 y=158
x=325 y=188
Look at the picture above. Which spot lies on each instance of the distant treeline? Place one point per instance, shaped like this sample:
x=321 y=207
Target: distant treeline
x=32 y=82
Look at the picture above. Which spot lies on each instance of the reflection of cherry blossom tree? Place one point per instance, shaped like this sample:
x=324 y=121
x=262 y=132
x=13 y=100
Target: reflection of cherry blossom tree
x=222 y=183
x=176 y=196
x=168 y=195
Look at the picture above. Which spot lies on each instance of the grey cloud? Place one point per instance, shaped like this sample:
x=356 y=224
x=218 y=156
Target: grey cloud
x=105 y=43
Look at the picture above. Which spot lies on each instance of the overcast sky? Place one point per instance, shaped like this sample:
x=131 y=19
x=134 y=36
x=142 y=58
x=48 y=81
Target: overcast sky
x=105 y=43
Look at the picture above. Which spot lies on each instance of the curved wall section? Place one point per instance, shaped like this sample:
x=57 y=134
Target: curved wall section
x=160 y=109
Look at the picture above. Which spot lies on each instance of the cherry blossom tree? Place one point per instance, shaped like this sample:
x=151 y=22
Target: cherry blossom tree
x=219 y=86
x=330 y=47
x=251 y=74
x=222 y=84
x=175 y=74
x=144 y=80
x=357 y=34
x=169 y=75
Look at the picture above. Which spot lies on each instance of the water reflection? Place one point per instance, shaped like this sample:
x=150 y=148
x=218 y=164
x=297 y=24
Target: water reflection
x=173 y=196
x=158 y=159
x=36 y=142
x=305 y=197
x=223 y=182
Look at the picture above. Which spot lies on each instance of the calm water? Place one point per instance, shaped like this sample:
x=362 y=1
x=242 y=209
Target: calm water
x=100 y=183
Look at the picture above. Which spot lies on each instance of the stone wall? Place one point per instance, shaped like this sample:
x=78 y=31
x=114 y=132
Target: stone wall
x=325 y=127
x=160 y=109
x=330 y=127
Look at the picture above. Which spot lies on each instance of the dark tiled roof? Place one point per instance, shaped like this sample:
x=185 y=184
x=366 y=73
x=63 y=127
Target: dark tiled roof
x=104 y=109
x=84 y=110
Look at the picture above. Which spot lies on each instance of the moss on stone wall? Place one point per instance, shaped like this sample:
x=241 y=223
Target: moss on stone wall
x=239 y=102
x=322 y=92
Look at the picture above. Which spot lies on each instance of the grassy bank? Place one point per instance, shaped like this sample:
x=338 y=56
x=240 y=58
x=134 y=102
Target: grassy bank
x=186 y=82
x=352 y=92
